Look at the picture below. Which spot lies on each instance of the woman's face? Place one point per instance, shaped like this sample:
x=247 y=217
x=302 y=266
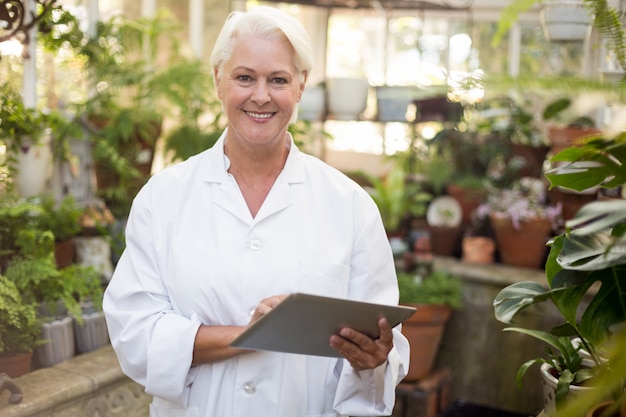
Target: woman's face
x=259 y=88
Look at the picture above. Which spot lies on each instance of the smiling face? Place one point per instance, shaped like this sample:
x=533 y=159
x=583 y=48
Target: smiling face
x=259 y=87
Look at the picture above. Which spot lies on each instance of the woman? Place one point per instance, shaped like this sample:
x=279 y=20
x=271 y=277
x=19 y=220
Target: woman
x=215 y=242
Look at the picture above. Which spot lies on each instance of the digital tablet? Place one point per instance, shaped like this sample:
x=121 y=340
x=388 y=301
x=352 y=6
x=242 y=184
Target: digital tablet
x=303 y=323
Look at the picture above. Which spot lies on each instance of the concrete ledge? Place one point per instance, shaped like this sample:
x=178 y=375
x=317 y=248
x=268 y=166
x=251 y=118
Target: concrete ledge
x=90 y=384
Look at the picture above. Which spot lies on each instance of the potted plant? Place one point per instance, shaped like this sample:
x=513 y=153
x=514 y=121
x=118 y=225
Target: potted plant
x=16 y=214
x=522 y=222
x=565 y=373
x=586 y=266
x=398 y=197
x=20 y=330
x=605 y=18
x=143 y=81
x=34 y=138
x=62 y=219
x=434 y=293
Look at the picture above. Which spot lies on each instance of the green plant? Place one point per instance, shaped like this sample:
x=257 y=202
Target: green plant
x=63 y=218
x=524 y=200
x=143 y=82
x=586 y=266
x=34 y=272
x=20 y=328
x=397 y=196
x=606 y=19
x=22 y=127
x=438 y=287
x=565 y=359
x=15 y=215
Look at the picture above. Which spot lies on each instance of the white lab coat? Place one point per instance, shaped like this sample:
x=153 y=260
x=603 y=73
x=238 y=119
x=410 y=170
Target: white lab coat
x=194 y=255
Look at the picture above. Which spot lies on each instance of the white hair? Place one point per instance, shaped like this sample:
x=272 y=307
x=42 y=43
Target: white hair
x=268 y=22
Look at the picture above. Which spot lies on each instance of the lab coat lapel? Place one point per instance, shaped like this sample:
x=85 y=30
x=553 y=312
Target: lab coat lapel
x=280 y=196
x=225 y=192
x=228 y=196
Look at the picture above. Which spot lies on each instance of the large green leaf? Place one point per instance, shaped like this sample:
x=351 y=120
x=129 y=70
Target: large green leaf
x=608 y=305
x=600 y=162
x=590 y=253
x=515 y=297
x=598 y=216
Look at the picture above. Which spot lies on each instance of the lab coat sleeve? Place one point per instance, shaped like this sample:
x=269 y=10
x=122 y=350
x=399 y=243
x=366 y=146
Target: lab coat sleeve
x=373 y=278
x=153 y=342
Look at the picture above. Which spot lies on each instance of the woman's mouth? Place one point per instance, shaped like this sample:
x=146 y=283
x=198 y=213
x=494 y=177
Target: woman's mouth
x=259 y=115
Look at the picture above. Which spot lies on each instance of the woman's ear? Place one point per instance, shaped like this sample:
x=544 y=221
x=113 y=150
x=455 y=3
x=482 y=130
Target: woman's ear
x=216 y=80
x=305 y=75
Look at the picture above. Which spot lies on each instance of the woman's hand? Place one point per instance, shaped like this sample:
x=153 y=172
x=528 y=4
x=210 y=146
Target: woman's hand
x=265 y=306
x=362 y=351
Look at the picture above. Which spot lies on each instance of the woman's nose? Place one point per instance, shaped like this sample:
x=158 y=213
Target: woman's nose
x=261 y=93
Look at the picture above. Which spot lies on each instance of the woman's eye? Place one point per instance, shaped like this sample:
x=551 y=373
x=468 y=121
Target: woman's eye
x=280 y=81
x=244 y=78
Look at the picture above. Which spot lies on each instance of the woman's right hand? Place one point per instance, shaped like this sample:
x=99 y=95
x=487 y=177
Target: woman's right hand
x=265 y=306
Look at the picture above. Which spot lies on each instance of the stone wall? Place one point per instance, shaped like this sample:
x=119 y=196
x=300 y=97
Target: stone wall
x=89 y=385
x=483 y=358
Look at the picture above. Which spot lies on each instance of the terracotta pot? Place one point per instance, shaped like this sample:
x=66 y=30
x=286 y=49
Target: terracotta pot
x=565 y=137
x=525 y=247
x=64 y=253
x=571 y=201
x=424 y=331
x=533 y=157
x=444 y=239
x=468 y=198
x=478 y=249
x=16 y=365
x=600 y=409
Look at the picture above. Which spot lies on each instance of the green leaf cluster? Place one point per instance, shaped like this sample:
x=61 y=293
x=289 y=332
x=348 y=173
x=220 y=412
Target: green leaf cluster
x=20 y=328
x=586 y=266
x=438 y=287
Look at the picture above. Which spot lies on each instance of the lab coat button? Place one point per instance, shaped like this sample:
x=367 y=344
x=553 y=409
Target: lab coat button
x=255 y=244
x=249 y=388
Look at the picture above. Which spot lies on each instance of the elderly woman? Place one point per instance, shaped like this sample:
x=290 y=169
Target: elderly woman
x=215 y=242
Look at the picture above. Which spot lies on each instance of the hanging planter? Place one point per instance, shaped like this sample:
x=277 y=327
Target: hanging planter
x=347 y=97
x=565 y=20
x=312 y=104
x=34 y=167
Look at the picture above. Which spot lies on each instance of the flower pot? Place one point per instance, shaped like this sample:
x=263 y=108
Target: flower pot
x=95 y=251
x=392 y=102
x=600 y=410
x=533 y=158
x=565 y=20
x=34 y=168
x=60 y=344
x=549 y=382
x=565 y=137
x=468 y=198
x=571 y=201
x=16 y=365
x=424 y=330
x=64 y=253
x=347 y=97
x=92 y=333
x=312 y=104
x=478 y=249
x=525 y=247
x=444 y=240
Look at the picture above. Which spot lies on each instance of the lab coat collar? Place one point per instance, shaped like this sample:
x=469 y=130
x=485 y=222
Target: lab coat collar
x=230 y=199
x=217 y=168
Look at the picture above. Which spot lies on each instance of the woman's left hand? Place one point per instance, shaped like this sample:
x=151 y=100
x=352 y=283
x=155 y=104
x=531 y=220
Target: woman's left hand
x=362 y=351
